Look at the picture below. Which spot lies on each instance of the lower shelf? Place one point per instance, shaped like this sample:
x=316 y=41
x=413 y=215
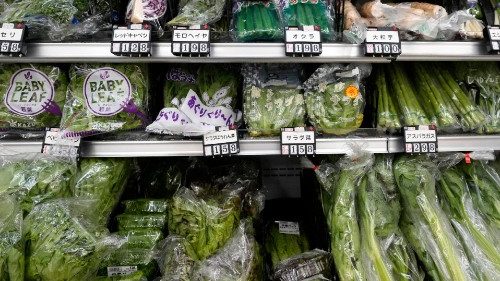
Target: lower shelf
x=267 y=146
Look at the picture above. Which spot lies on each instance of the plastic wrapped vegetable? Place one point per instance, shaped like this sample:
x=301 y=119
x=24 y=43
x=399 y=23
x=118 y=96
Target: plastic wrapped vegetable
x=64 y=241
x=281 y=246
x=425 y=224
x=199 y=12
x=148 y=11
x=271 y=99
x=11 y=240
x=128 y=262
x=334 y=97
x=256 y=21
x=145 y=206
x=308 y=12
x=174 y=256
x=59 y=19
x=33 y=96
x=134 y=221
x=35 y=178
x=143 y=238
x=388 y=116
x=105 y=98
x=311 y=265
x=197 y=100
x=103 y=180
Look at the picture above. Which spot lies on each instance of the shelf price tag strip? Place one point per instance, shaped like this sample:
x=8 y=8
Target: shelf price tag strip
x=54 y=143
x=192 y=41
x=12 y=36
x=382 y=42
x=493 y=35
x=298 y=141
x=420 y=139
x=133 y=40
x=303 y=41
x=221 y=143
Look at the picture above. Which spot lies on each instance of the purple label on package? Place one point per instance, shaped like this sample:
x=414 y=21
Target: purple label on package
x=172 y=116
x=107 y=91
x=196 y=111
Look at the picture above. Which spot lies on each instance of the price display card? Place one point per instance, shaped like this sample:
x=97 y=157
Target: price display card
x=12 y=37
x=298 y=141
x=301 y=41
x=55 y=143
x=420 y=139
x=221 y=143
x=493 y=35
x=133 y=40
x=382 y=42
x=192 y=41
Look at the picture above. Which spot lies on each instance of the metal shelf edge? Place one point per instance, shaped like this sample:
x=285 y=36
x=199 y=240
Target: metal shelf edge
x=453 y=143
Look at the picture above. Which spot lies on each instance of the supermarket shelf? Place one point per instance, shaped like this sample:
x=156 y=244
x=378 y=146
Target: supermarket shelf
x=269 y=146
x=453 y=143
x=252 y=52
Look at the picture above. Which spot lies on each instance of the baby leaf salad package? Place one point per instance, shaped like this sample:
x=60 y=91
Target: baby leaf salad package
x=197 y=100
x=272 y=99
x=148 y=11
x=59 y=19
x=32 y=96
x=335 y=97
x=256 y=21
x=105 y=98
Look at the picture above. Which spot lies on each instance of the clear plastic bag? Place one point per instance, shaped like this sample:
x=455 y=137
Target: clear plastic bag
x=282 y=246
x=148 y=11
x=310 y=265
x=334 y=97
x=141 y=238
x=139 y=206
x=197 y=100
x=59 y=19
x=135 y=221
x=199 y=12
x=256 y=21
x=105 y=98
x=388 y=112
x=33 y=96
x=33 y=178
x=174 y=256
x=65 y=241
x=102 y=180
x=11 y=240
x=272 y=99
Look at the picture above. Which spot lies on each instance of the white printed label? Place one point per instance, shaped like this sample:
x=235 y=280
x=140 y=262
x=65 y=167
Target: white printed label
x=121 y=270
x=191 y=35
x=494 y=33
x=309 y=36
x=294 y=137
x=30 y=92
x=131 y=35
x=56 y=137
x=420 y=135
x=106 y=91
x=382 y=36
x=220 y=137
x=289 y=227
x=11 y=34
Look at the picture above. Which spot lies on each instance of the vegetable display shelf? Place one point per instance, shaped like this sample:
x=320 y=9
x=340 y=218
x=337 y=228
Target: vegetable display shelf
x=254 y=52
x=267 y=146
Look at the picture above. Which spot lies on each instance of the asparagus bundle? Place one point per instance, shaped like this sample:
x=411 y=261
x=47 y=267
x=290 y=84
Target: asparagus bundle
x=388 y=112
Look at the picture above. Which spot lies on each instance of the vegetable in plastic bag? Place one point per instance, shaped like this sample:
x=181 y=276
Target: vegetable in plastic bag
x=388 y=116
x=148 y=11
x=11 y=240
x=334 y=98
x=174 y=256
x=35 y=178
x=282 y=246
x=199 y=12
x=256 y=21
x=134 y=221
x=144 y=238
x=105 y=98
x=271 y=99
x=65 y=241
x=33 y=96
x=102 y=180
x=311 y=265
x=145 y=206
x=308 y=12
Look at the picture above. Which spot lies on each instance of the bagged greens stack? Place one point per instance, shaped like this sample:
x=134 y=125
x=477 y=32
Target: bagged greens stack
x=33 y=96
x=11 y=240
x=308 y=12
x=65 y=241
x=362 y=210
x=102 y=180
x=271 y=99
x=35 y=178
x=256 y=21
x=59 y=19
x=334 y=97
x=197 y=100
x=105 y=98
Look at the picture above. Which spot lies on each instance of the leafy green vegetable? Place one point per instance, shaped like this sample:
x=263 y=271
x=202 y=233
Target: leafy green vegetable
x=35 y=178
x=11 y=240
x=24 y=84
x=145 y=206
x=103 y=180
x=105 y=106
x=174 y=259
x=282 y=246
x=134 y=221
x=145 y=238
x=199 y=12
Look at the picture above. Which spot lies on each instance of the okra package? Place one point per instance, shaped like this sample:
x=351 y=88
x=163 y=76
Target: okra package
x=32 y=96
x=105 y=98
x=308 y=12
x=256 y=21
x=197 y=100
x=334 y=97
x=272 y=98
x=148 y=11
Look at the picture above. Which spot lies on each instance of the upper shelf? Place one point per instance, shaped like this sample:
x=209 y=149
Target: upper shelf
x=254 y=52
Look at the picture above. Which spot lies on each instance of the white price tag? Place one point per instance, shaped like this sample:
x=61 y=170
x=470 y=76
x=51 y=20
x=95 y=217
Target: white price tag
x=306 y=36
x=221 y=143
x=55 y=143
x=191 y=35
x=382 y=36
x=121 y=270
x=54 y=137
x=494 y=32
x=294 y=137
x=220 y=137
x=420 y=135
x=11 y=34
x=289 y=227
x=131 y=35
x=420 y=139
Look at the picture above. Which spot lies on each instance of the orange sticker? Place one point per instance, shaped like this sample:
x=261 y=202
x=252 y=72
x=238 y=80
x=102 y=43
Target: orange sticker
x=352 y=91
